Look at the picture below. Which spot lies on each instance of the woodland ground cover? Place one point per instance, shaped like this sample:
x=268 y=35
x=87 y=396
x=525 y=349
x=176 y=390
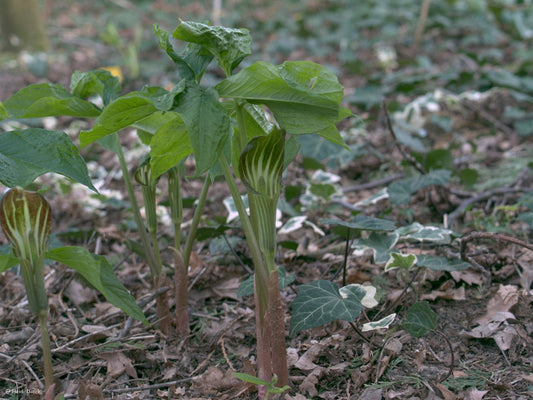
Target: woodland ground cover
x=452 y=175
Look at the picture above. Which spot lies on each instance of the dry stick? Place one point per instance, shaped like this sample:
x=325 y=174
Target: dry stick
x=421 y=23
x=373 y=184
x=452 y=360
x=492 y=236
x=477 y=198
x=405 y=154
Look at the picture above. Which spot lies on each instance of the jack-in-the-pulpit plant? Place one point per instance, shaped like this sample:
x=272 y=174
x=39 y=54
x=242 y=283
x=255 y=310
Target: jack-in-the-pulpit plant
x=26 y=220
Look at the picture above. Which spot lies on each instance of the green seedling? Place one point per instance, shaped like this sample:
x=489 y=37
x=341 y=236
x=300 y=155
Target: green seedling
x=271 y=387
x=26 y=219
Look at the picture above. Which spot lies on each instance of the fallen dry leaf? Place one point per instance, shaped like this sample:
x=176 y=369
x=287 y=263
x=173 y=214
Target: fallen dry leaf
x=117 y=364
x=475 y=394
x=506 y=297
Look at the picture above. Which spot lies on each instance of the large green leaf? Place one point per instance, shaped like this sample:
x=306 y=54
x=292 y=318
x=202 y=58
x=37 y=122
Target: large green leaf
x=97 y=271
x=321 y=302
x=303 y=96
x=46 y=99
x=191 y=63
x=207 y=121
x=169 y=145
x=95 y=83
x=25 y=154
x=118 y=115
x=229 y=46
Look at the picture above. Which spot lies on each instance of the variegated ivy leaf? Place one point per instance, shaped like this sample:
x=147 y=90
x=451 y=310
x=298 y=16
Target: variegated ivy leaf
x=379 y=243
x=261 y=164
x=383 y=323
x=398 y=260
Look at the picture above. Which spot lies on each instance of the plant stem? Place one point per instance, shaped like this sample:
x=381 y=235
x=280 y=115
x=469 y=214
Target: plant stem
x=137 y=214
x=47 y=354
x=195 y=221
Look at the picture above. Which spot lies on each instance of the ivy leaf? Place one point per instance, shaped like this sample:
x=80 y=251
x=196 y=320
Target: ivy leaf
x=383 y=323
x=380 y=244
x=431 y=234
x=28 y=153
x=47 y=100
x=400 y=191
x=420 y=319
x=321 y=302
x=436 y=263
x=398 y=260
x=227 y=45
x=97 y=271
x=303 y=96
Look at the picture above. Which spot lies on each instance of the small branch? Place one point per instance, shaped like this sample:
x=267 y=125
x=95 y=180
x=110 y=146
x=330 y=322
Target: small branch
x=373 y=184
x=452 y=360
x=424 y=10
x=480 y=197
x=493 y=236
x=407 y=157
x=356 y=329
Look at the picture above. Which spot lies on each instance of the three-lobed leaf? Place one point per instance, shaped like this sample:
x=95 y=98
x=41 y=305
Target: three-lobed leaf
x=28 y=153
x=303 y=96
x=229 y=46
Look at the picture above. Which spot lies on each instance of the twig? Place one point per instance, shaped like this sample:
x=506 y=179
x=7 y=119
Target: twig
x=407 y=157
x=356 y=329
x=424 y=10
x=492 y=236
x=480 y=197
x=452 y=360
x=373 y=184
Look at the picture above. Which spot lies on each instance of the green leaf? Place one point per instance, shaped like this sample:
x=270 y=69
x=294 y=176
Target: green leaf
x=3 y=112
x=322 y=190
x=119 y=114
x=436 y=263
x=246 y=288
x=303 y=96
x=321 y=302
x=380 y=244
x=192 y=63
x=383 y=323
x=362 y=222
x=420 y=319
x=95 y=83
x=28 y=153
x=97 y=271
x=229 y=46
x=398 y=260
x=400 y=191
x=46 y=100
x=169 y=145
x=7 y=261
x=207 y=121
x=431 y=234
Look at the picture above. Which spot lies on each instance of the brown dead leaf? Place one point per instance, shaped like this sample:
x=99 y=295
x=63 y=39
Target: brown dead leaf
x=446 y=393
x=475 y=394
x=216 y=381
x=117 y=364
x=457 y=294
x=78 y=293
x=468 y=276
x=308 y=386
x=506 y=297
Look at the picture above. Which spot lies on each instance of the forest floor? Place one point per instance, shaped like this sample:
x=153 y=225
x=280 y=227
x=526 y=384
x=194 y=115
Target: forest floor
x=483 y=345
